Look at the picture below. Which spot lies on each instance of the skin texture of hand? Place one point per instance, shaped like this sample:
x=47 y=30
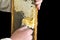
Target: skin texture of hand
x=38 y=3
x=23 y=33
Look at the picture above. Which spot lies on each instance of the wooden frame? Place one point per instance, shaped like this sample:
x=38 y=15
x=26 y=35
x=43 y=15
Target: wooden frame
x=12 y=21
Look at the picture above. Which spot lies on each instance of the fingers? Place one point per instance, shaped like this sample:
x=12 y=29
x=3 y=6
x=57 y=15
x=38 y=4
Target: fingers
x=28 y=31
x=38 y=6
x=29 y=37
x=22 y=34
x=25 y=30
x=28 y=34
x=38 y=3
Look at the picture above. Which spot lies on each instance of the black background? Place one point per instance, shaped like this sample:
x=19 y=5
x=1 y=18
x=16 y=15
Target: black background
x=5 y=23
x=43 y=21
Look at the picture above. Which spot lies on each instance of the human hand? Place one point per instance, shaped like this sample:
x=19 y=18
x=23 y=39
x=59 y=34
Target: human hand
x=23 y=33
x=38 y=3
